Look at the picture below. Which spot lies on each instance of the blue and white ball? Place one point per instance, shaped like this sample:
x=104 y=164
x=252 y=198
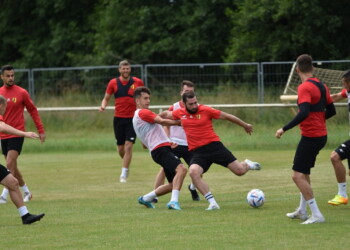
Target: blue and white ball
x=256 y=198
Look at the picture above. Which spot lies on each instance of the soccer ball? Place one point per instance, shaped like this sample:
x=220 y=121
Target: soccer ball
x=256 y=198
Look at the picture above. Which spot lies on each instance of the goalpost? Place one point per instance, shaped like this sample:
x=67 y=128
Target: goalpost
x=332 y=78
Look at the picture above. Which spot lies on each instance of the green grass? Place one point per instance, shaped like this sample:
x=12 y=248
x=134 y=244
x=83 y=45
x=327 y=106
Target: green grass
x=86 y=207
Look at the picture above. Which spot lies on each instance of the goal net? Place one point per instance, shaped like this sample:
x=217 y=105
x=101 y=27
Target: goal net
x=332 y=78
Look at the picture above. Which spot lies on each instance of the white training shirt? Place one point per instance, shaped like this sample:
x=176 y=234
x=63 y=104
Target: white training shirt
x=177 y=133
x=151 y=134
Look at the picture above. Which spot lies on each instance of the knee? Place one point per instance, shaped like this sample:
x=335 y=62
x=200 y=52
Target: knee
x=12 y=182
x=195 y=172
x=335 y=157
x=181 y=169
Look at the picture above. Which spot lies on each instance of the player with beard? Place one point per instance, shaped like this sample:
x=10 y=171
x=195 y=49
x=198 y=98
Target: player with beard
x=205 y=143
x=123 y=90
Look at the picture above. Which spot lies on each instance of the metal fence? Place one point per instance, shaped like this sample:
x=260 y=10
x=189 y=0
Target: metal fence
x=263 y=82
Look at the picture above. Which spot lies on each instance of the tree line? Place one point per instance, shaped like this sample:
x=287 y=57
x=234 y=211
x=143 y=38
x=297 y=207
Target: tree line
x=66 y=33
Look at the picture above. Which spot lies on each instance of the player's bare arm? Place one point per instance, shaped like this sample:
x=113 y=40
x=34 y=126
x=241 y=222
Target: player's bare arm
x=234 y=119
x=166 y=115
x=104 y=102
x=166 y=122
x=337 y=97
x=7 y=129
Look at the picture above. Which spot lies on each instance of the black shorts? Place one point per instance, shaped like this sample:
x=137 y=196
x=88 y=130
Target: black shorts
x=214 y=152
x=123 y=130
x=3 y=172
x=307 y=150
x=182 y=152
x=344 y=151
x=165 y=157
x=14 y=143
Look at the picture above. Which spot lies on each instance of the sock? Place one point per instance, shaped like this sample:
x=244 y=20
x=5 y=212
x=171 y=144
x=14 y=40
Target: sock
x=5 y=193
x=314 y=208
x=25 y=189
x=175 y=195
x=210 y=198
x=150 y=196
x=192 y=186
x=342 y=189
x=125 y=172
x=302 y=205
x=22 y=211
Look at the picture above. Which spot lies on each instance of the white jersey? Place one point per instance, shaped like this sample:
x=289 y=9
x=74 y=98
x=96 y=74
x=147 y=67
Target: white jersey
x=177 y=133
x=151 y=134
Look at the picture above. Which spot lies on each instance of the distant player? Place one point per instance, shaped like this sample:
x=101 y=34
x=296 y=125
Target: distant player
x=205 y=143
x=179 y=141
x=7 y=179
x=315 y=106
x=18 y=99
x=148 y=128
x=122 y=88
x=343 y=151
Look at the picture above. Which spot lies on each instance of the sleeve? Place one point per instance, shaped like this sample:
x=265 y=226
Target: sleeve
x=171 y=108
x=1 y=118
x=176 y=114
x=344 y=93
x=147 y=115
x=214 y=113
x=32 y=110
x=112 y=87
x=304 y=110
x=303 y=94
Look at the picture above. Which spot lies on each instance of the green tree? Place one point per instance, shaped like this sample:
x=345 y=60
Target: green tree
x=45 y=33
x=280 y=30
x=162 y=31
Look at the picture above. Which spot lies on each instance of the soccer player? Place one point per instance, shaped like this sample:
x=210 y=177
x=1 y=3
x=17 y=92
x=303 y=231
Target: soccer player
x=205 y=143
x=7 y=179
x=148 y=128
x=17 y=100
x=179 y=142
x=343 y=151
x=315 y=106
x=122 y=88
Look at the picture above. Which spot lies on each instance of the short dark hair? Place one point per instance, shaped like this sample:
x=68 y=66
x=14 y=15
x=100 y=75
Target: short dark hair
x=139 y=90
x=188 y=95
x=187 y=83
x=346 y=76
x=304 y=63
x=6 y=67
x=124 y=63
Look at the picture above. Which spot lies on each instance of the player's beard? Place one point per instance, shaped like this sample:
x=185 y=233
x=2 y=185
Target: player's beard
x=125 y=76
x=192 y=111
x=10 y=83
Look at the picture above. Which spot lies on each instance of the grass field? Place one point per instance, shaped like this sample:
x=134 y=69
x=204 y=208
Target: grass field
x=86 y=207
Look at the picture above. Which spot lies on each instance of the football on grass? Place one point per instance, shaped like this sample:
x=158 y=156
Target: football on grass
x=256 y=198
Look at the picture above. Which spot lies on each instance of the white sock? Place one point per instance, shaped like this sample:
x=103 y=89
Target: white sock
x=25 y=189
x=150 y=196
x=314 y=208
x=175 y=195
x=211 y=199
x=22 y=211
x=192 y=186
x=302 y=205
x=342 y=189
x=5 y=193
x=125 y=172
